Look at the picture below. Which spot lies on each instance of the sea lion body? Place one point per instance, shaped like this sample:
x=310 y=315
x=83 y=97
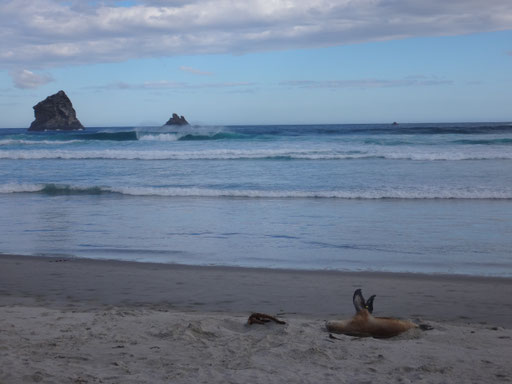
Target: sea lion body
x=364 y=324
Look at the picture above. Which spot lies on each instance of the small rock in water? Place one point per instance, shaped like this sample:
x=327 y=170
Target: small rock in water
x=177 y=120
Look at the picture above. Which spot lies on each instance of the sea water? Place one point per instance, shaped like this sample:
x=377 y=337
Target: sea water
x=428 y=198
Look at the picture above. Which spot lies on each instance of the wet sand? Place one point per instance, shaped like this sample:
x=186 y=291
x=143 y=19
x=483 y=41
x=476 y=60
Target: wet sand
x=70 y=283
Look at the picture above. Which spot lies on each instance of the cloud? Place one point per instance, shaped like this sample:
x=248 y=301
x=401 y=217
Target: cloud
x=195 y=71
x=164 y=84
x=46 y=33
x=411 y=81
x=26 y=79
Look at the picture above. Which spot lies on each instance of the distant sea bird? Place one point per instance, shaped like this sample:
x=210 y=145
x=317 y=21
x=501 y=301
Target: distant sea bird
x=364 y=324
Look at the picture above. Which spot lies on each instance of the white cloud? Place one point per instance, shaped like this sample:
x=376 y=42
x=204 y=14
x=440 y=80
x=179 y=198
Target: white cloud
x=45 y=33
x=164 y=84
x=26 y=79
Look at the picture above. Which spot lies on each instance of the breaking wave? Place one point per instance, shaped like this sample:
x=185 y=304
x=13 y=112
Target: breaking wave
x=110 y=136
x=408 y=194
x=414 y=154
x=36 y=142
x=199 y=133
x=505 y=141
x=190 y=137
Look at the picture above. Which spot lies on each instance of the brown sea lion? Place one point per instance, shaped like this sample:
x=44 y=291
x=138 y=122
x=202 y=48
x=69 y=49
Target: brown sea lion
x=364 y=324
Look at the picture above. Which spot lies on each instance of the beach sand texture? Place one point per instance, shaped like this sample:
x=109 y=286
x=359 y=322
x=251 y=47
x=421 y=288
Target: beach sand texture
x=84 y=321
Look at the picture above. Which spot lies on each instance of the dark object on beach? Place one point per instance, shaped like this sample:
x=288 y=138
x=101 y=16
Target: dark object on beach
x=262 y=318
x=394 y=123
x=55 y=113
x=425 y=327
x=177 y=120
x=363 y=324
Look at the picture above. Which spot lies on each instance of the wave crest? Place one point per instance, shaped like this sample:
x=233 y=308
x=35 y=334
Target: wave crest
x=408 y=194
x=279 y=154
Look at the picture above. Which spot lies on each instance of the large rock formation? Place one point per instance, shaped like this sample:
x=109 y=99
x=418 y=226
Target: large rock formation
x=55 y=112
x=177 y=120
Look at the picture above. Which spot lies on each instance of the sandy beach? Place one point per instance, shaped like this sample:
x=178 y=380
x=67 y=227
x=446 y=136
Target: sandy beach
x=87 y=321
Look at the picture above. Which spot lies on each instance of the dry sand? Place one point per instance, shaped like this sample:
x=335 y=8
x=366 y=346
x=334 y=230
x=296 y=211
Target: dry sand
x=84 y=321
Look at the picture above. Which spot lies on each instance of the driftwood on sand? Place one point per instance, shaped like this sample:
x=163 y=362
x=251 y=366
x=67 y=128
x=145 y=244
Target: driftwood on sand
x=262 y=318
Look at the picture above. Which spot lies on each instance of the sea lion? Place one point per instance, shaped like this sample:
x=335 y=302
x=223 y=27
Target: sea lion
x=369 y=303
x=364 y=324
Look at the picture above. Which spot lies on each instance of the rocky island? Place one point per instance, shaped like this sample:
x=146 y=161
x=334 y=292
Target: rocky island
x=177 y=120
x=55 y=113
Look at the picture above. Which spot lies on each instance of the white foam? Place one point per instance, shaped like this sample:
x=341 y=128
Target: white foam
x=231 y=154
x=390 y=193
x=220 y=154
x=448 y=193
x=161 y=137
x=37 y=142
x=20 y=188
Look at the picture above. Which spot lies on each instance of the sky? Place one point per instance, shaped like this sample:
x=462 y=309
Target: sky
x=225 y=62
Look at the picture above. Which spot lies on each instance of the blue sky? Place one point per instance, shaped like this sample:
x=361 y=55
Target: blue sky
x=258 y=62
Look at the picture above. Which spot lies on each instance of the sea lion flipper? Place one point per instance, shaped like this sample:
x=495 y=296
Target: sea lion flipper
x=358 y=300
x=369 y=303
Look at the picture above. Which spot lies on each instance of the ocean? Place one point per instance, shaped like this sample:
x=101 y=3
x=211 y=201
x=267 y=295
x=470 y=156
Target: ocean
x=422 y=198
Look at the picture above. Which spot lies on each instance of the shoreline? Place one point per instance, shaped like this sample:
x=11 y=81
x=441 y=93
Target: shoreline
x=85 y=283
x=69 y=257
